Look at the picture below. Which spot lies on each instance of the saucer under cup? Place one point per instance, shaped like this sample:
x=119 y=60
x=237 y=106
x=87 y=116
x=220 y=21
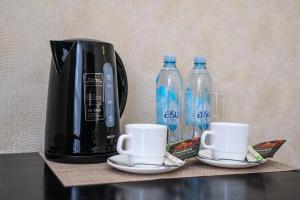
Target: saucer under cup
x=139 y=169
x=205 y=156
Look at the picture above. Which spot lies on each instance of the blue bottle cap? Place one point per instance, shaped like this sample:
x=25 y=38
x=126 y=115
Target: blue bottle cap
x=169 y=59
x=199 y=60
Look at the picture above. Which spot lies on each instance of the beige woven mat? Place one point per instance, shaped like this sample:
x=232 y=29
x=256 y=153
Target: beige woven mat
x=88 y=174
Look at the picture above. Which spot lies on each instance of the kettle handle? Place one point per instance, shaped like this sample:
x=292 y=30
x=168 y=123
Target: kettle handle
x=122 y=83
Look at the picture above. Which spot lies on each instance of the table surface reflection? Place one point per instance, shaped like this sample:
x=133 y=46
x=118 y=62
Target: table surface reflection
x=25 y=176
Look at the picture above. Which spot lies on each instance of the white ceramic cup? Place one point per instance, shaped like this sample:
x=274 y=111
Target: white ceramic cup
x=146 y=143
x=228 y=141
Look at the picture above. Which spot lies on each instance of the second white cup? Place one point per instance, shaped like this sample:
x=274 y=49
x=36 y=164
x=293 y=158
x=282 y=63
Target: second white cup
x=146 y=143
x=229 y=140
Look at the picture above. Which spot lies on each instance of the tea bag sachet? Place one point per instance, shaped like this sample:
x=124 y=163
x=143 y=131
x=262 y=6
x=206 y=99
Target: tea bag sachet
x=252 y=155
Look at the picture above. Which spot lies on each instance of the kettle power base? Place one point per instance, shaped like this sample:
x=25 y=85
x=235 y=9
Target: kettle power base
x=78 y=159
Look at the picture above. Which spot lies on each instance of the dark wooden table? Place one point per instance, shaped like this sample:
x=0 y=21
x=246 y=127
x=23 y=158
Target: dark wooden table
x=25 y=176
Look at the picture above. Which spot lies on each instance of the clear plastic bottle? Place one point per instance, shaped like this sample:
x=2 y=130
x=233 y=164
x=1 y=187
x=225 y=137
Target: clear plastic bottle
x=197 y=99
x=168 y=86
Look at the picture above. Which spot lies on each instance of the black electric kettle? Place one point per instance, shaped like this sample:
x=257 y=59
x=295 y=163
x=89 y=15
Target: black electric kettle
x=87 y=94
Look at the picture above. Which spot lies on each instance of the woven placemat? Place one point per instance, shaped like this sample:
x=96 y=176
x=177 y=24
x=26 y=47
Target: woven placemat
x=88 y=174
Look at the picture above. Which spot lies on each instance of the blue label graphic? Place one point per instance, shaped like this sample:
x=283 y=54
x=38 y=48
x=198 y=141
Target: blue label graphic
x=167 y=111
x=172 y=111
x=188 y=107
x=203 y=115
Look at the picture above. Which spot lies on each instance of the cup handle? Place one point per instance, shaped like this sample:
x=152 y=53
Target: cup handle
x=120 y=144
x=203 y=136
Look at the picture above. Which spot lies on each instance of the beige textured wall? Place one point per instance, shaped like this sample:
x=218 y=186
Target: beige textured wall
x=252 y=47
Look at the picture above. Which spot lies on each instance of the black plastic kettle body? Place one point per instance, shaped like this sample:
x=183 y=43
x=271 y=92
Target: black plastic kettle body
x=87 y=94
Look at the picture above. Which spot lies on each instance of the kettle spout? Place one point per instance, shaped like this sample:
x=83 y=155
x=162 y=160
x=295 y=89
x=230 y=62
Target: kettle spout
x=60 y=52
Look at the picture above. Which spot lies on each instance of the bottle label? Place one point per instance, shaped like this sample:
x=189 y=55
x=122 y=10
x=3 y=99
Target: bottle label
x=203 y=112
x=161 y=101
x=171 y=116
x=167 y=108
x=93 y=96
x=188 y=107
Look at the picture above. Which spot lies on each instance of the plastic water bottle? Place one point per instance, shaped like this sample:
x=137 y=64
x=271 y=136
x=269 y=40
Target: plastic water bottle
x=168 y=86
x=197 y=99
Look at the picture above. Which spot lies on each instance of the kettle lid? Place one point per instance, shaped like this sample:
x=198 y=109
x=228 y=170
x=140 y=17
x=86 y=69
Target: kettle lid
x=86 y=40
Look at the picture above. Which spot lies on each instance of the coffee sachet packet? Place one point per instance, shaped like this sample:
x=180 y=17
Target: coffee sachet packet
x=268 y=149
x=185 y=149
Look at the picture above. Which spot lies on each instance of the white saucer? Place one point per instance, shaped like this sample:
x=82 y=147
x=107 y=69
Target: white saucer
x=205 y=157
x=139 y=169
